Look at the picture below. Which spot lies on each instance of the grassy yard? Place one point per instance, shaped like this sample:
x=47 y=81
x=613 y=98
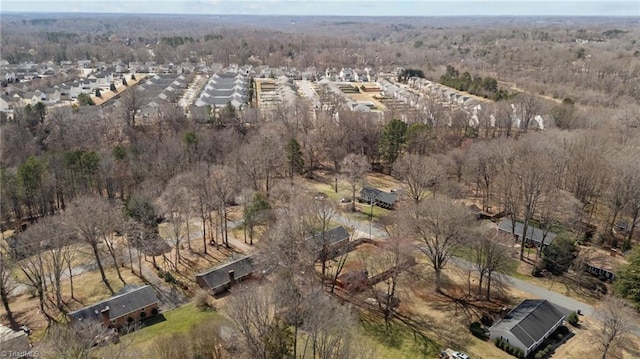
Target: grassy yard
x=179 y=320
x=398 y=341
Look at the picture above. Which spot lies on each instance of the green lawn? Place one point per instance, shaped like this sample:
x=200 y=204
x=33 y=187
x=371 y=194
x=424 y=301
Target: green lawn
x=398 y=341
x=179 y=320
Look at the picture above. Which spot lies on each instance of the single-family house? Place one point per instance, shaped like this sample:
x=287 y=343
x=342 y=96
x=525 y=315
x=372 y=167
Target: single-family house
x=602 y=264
x=220 y=279
x=7 y=103
x=529 y=324
x=601 y=269
x=32 y=98
x=53 y=95
x=120 y=310
x=75 y=89
x=331 y=239
x=84 y=63
x=535 y=236
x=378 y=197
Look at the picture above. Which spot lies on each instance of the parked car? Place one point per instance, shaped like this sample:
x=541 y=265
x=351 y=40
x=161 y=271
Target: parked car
x=459 y=355
x=345 y=200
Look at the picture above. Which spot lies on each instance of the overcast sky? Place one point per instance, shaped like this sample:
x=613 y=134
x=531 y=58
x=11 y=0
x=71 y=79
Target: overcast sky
x=335 y=7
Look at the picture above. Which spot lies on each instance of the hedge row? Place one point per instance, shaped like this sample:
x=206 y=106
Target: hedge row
x=517 y=352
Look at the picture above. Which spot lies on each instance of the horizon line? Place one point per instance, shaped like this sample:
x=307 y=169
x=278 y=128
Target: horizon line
x=11 y=12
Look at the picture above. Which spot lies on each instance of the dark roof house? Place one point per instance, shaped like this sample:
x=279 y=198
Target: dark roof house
x=529 y=324
x=330 y=243
x=220 y=279
x=378 y=197
x=115 y=310
x=534 y=235
x=333 y=236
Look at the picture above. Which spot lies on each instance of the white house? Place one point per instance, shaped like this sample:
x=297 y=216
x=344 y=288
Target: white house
x=529 y=324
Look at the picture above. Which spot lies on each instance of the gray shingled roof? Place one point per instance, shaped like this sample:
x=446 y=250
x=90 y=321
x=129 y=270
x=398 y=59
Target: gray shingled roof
x=119 y=305
x=531 y=320
x=370 y=193
x=219 y=276
x=533 y=233
x=332 y=236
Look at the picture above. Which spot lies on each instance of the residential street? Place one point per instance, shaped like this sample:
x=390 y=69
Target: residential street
x=533 y=289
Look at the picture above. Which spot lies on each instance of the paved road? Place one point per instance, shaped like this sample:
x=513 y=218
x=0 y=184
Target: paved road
x=192 y=91
x=554 y=297
x=533 y=289
x=365 y=227
x=537 y=291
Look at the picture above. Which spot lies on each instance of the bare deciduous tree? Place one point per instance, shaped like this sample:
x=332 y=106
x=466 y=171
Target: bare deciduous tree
x=176 y=202
x=81 y=340
x=6 y=285
x=441 y=226
x=354 y=168
x=251 y=312
x=614 y=318
x=529 y=106
x=420 y=174
x=329 y=328
x=94 y=219
x=490 y=259
x=224 y=183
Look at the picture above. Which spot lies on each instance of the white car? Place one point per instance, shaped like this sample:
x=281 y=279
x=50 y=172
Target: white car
x=458 y=355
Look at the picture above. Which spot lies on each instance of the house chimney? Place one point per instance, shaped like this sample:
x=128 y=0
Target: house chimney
x=105 y=316
x=232 y=278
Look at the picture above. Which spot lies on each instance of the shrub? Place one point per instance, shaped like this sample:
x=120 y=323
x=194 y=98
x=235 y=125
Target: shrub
x=201 y=299
x=486 y=321
x=143 y=315
x=573 y=318
x=538 y=355
x=545 y=351
x=477 y=330
x=510 y=349
x=168 y=277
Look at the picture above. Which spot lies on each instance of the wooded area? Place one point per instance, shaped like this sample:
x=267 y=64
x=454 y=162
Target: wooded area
x=102 y=179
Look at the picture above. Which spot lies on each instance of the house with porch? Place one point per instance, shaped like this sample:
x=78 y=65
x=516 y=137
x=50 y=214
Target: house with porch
x=529 y=324
x=377 y=197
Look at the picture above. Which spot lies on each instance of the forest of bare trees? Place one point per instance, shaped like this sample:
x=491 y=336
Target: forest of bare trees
x=97 y=179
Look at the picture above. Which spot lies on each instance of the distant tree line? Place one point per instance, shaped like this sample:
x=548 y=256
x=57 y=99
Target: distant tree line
x=177 y=40
x=486 y=87
x=404 y=74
